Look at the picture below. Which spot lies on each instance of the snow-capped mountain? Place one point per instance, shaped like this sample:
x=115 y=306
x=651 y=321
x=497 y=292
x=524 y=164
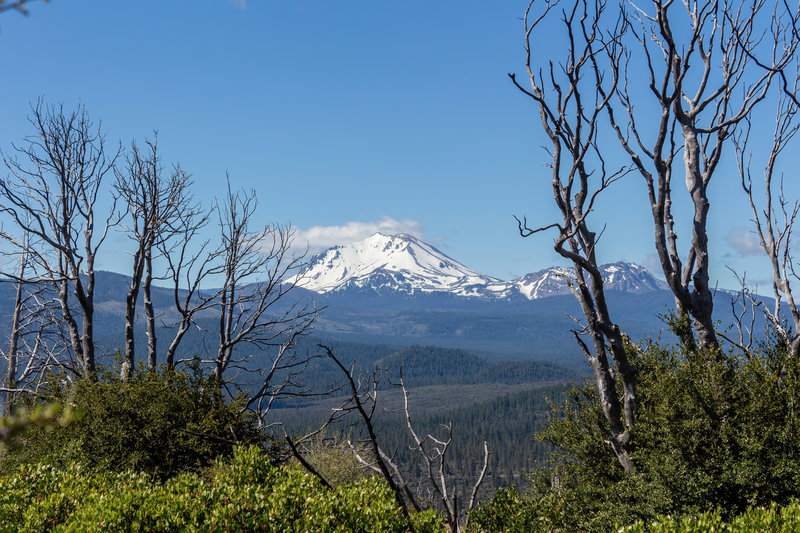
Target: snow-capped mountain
x=548 y=282
x=630 y=277
x=619 y=276
x=394 y=263
x=391 y=264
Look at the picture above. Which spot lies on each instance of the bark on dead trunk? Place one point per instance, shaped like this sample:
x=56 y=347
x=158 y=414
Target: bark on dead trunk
x=11 y=370
x=129 y=356
x=149 y=312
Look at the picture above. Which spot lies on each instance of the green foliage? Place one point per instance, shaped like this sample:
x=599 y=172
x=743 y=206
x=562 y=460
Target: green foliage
x=508 y=511
x=711 y=434
x=161 y=422
x=332 y=458
x=47 y=416
x=247 y=493
x=765 y=518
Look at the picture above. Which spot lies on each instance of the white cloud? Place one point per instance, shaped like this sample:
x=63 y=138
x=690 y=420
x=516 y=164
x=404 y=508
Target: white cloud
x=653 y=264
x=241 y=4
x=744 y=241
x=320 y=237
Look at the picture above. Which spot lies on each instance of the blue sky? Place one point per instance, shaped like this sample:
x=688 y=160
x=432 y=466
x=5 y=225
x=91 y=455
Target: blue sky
x=346 y=117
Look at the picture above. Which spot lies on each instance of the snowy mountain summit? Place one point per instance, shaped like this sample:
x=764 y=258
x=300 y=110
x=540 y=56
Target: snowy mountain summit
x=619 y=276
x=392 y=264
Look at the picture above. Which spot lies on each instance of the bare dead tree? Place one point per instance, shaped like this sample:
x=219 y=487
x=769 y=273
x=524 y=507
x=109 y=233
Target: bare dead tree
x=35 y=348
x=12 y=355
x=256 y=305
x=362 y=400
x=696 y=61
x=50 y=196
x=34 y=341
x=571 y=98
x=281 y=376
x=18 y=319
x=434 y=452
x=743 y=310
x=774 y=215
x=259 y=315
x=154 y=203
x=189 y=265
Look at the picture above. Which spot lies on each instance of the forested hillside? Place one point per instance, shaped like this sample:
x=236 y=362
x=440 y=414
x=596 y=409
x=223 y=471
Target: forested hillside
x=507 y=421
x=502 y=403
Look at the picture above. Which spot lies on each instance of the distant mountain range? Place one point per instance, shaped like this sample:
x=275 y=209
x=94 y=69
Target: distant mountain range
x=397 y=290
x=403 y=264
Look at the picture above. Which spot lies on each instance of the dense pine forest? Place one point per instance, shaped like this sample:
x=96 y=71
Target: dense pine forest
x=502 y=403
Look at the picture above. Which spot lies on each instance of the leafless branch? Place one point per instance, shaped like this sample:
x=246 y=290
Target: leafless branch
x=773 y=214
x=572 y=99
x=20 y=6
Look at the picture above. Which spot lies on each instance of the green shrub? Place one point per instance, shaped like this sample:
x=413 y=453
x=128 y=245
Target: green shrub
x=710 y=435
x=766 y=518
x=162 y=422
x=508 y=511
x=334 y=460
x=47 y=416
x=247 y=493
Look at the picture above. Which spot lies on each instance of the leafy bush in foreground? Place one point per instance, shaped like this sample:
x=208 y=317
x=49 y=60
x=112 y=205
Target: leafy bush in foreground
x=162 y=422
x=713 y=435
x=510 y=512
x=247 y=493
x=771 y=518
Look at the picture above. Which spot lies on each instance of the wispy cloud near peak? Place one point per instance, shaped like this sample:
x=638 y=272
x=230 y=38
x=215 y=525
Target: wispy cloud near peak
x=744 y=241
x=320 y=237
